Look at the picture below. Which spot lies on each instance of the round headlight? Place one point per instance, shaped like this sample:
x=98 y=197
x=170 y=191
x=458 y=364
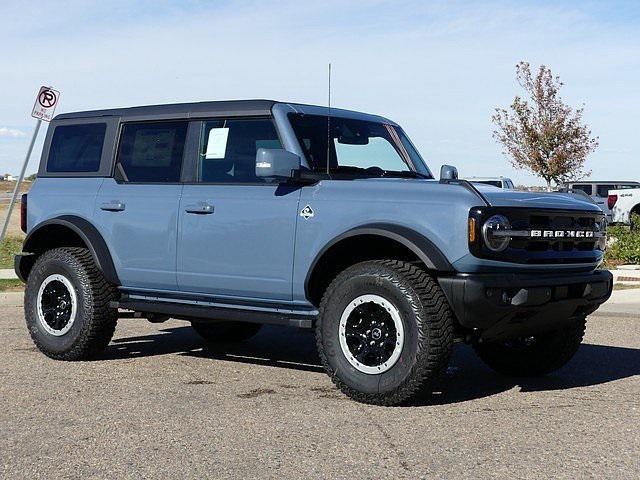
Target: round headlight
x=493 y=233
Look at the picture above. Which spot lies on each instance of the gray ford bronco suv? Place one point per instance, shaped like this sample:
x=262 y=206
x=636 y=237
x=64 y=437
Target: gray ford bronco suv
x=235 y=214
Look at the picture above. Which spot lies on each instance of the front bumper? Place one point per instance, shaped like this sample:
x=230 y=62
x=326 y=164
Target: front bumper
x=501 y=306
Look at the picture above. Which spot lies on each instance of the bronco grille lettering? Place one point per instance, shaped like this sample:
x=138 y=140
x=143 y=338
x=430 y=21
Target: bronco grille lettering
x=562 y=234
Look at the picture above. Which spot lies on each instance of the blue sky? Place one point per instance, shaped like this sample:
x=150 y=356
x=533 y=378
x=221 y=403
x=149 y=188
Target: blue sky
x=437 y=68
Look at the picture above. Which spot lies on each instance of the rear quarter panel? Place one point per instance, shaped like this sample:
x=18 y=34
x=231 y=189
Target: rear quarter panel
x=628 y=199
x=53 y=197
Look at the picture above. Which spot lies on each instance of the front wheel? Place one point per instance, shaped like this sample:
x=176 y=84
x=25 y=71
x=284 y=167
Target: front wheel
x=535 y=355
x=384 y=331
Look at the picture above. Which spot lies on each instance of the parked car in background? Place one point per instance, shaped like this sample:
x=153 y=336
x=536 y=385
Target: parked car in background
x=500 y=182
x=623 y=203
x=599 y=191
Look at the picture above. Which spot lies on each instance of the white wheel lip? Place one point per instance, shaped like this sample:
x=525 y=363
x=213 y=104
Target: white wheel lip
x=74 y=304
x=397 y=320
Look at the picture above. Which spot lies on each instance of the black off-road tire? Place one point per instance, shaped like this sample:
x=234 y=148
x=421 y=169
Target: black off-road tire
x=222 y=331
x=544 y=354
x=426 y=318
x=94 y=322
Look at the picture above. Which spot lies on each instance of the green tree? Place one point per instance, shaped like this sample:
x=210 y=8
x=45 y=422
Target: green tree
x=542 y=134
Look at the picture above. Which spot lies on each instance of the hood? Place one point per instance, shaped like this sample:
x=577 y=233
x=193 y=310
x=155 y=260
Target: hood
x=499 y=197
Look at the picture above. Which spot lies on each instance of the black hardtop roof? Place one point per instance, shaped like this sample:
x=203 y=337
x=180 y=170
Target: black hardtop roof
x=218 y=108
x=237 y=107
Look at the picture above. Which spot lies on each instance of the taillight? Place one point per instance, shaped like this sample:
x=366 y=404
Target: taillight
x=611 y=201
x=23 y=213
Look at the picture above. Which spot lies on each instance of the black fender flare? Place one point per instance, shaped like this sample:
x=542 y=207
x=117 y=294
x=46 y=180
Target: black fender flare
x=88 y=233
x=420 y=245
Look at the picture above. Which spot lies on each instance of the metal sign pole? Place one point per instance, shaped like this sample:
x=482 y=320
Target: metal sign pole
x=16 y=190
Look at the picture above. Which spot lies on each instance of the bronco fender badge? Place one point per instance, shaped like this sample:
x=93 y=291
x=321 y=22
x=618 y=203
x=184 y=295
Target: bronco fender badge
x=306 y=212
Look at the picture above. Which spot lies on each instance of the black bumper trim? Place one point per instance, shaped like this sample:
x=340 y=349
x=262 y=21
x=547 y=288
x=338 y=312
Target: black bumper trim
x=505 y=305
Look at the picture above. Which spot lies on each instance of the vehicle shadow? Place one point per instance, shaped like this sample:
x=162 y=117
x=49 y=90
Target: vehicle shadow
x=467 y=378
x=272 y=346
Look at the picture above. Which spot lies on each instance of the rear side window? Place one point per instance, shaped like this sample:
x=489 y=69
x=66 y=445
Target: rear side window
x=76 y=148
x=152 y=152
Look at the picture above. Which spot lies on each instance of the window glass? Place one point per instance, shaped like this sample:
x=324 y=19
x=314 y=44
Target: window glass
x=355 y=146
x=495 y=183
x=603 y=190
x=76 y=148
x=627 y=186
x=377 y=153
x=152 y=152
x=586 y=188
x=228 y=149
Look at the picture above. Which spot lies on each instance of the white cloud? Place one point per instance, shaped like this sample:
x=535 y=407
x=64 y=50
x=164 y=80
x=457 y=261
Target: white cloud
x=11 y=133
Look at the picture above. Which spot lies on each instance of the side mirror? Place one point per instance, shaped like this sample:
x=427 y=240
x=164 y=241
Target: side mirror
x=275 y=162
x=448 y=172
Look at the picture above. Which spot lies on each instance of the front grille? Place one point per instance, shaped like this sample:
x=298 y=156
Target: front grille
x=553 y=221
x=541 y=250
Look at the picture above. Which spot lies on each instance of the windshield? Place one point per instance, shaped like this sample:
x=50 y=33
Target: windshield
x=356 y=146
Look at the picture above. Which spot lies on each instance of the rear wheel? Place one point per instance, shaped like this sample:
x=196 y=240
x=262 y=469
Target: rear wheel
x=67 y=305
x=384 y=331
x=219 y=331
x=534 y=355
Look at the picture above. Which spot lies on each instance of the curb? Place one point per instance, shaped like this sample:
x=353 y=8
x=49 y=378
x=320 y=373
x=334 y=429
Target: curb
x=627 y=274
x=7 y=274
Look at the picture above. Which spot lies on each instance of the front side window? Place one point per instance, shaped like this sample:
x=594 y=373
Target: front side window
x=76 y=148
x=356 y=146
x=152 y=152
x=228 y=149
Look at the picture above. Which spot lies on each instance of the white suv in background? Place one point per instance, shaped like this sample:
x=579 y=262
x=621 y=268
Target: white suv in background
x=500 y=182
x=599 y=191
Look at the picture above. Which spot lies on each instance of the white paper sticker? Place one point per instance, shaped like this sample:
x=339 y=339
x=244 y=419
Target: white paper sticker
x=217 y=143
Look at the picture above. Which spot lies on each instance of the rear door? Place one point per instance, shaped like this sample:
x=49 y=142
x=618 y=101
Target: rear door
x=137 y=211
x=237 y=231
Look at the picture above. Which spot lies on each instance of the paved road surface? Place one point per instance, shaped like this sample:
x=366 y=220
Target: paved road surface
x=159 y=405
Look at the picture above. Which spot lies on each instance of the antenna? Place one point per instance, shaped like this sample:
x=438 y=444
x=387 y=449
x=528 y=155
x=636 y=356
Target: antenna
x=329 y=120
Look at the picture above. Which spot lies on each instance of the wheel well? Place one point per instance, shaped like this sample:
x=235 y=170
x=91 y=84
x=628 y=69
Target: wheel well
x=46 y=238
x=53 y=236
x=350 y=251
x=68 y=231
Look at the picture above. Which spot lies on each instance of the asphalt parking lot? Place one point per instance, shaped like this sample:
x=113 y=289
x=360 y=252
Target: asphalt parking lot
x=160 y=405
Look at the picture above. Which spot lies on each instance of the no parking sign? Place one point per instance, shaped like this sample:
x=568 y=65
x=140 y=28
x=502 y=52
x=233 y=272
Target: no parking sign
x=46 y=103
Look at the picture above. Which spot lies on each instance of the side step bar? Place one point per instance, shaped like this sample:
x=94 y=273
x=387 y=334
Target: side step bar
x=190 y=310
